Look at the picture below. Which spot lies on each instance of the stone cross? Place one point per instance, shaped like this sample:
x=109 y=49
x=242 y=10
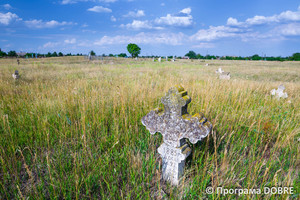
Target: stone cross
x=223 y=75
x=16 y=75
x=279 y=92
x=176 y=126
x=219 y=71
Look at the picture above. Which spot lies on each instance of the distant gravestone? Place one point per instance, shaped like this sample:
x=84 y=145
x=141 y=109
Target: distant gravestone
x=173 y=60
x=159 y=59
x=279 y=92
x=136 y=58
x=16 y=75
x=166 y=58
x=219 y=71
x=223 y=75
x=206 y=64
x=177 y=126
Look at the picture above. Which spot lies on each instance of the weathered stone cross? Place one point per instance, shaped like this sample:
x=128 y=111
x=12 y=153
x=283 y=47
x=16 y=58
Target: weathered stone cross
x=176 y=126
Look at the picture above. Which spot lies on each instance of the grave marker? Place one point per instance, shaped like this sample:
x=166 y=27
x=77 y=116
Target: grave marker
x=177 y=126
x=223 y=75
x=159 y=59
x=16 y=75
x=279 y=92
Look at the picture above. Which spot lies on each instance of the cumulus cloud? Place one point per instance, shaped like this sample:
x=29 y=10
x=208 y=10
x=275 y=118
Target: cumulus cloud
x=139 y=13
x=143 y=38
x=100 y=9
x=7 y=18
x=136 y=24
x=186 y=11
x=286 y=16
x=7 y=6
x=113 y=19
x=183 y=19
x=65 y=2
x=292 y=29
x=51 y=44
x=70 y=41
x=46 y=24
x=204 y=45
x=214 y=32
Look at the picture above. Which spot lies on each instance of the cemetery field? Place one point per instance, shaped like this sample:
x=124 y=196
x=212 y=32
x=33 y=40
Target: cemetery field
x=71 y=128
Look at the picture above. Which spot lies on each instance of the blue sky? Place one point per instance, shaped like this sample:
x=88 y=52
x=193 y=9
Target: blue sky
x=165 y=27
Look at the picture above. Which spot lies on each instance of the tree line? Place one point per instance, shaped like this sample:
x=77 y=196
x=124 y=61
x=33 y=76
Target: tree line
x=294 y=57
x=135 y=50
x=29 y=55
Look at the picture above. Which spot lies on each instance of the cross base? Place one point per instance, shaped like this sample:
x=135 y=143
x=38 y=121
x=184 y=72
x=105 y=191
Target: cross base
x=173 y=161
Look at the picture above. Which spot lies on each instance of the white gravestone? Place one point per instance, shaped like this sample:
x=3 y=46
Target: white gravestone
x=16 y=75
x=177 y=126
x=279 y=92
x=219 y=71
x=166 y=58
x=223 y=75
x=159 y=59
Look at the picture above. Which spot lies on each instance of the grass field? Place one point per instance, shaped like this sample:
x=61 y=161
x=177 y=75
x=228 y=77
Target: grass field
x=71 y=129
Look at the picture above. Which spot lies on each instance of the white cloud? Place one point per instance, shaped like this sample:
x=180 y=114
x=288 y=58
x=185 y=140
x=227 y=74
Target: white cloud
x=186 y=11
x=51 y=44
x=233 y=22
x=289 y=16
x=204 y=45
x=7 y=6
x=286 y=16
x=65 y=2
x=100 y=9
x=183 y=19
x=46 y=24
x=292 y=29
x=7 y=18
x=139 y=13
x=214 y=32
x=108 y=1
x=70 y=41
x=84 y=25
x=136 y=24
x=143 y=38
x=113 y=19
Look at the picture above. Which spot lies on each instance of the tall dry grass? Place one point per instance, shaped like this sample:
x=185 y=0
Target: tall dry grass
x=71 y=129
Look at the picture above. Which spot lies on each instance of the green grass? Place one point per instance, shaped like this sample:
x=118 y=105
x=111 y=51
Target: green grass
x=71 y=129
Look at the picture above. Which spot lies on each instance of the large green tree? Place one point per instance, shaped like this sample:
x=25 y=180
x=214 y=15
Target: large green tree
x=2 y=53
x=12 y=54
x=134 y=50
x=92 y=53
x=191 y=55
x=296 y=56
